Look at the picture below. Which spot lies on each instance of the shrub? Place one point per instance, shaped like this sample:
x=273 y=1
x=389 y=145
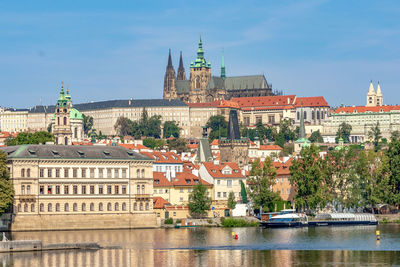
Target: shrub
x=169 y=221
x=232 y=222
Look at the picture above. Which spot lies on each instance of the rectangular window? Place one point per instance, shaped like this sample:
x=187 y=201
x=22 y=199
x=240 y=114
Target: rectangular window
x=49 y=173
x=100 y=189
x=288 y=191
x=166 y=191
x=41 y=173
x=57 y=189
x=109 y=189
x=282 y=180
x=100 y=173
x=49 y=189
x=75 y=190
x=57 y=173
x=75 y=173
x=124 y=189
x=66 y=189
x=92 y=173
x=224 y=194
x=92 y=189
x=108 y=173
x=116 y=189
x=219 y=194
x=116 y=173
x=41 y=190
x=218 y=182
x=181 y=190
x=271 y=119
x=66 y=173
x=123 y=173
x=22 y=189
x=83 y=189
x=229 y=183
x=83 y=173
x=155 y=191
x=181 y=199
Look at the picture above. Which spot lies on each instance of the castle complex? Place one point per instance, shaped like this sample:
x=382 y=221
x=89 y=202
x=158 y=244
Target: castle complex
x=203 y=87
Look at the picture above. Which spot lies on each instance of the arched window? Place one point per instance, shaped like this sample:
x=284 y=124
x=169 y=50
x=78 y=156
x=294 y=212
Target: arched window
x=28 y=173
x=28 y=189
x=142 y=173
x=100 y=206
x=135 y=206
x=26 y=208
x=41 y=207
x=75 y=207
x=317 y=114
x=65 y=120
x=116 y=206
x=66 y=207
x=83 y=206
x=305 y=115
x=75 y=132
x=124 y=206
x=58 y=120
x=143 y=189
x=49 y=207
x=32 y=207
x=138 y=189
x=197 y=83
x=22 y=172
x=141 y=205
x=22 y=189
x=19 y=209
x=313 y=115
x=57 y=206
x=109 y=206
x=91 y=207
x=66 y=140
x=147 y=206
x=322 y=115
x=138 y=173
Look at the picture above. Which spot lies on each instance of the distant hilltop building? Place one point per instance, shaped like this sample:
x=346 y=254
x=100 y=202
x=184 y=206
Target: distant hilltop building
x=203 y=87
x=374 y=98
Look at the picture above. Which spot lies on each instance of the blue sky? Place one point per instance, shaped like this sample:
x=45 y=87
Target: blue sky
x=118 y=49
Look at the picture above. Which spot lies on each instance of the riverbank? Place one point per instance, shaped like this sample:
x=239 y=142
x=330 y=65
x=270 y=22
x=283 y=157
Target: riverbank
x=388 y=218
x=247 y=221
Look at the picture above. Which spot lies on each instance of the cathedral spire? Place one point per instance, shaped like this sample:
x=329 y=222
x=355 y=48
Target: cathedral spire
x=181 y=69
x=169 y=60
x=223 y=75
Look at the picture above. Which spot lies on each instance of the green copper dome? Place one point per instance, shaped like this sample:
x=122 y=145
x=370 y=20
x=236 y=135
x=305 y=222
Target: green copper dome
x=200 y=60
x=75 y=114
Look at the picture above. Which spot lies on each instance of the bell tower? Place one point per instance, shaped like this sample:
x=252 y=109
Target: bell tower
x=200 y=75
x=170 y=80
x=62 y=127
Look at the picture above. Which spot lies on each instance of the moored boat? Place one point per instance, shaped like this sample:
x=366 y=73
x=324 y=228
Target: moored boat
x=326 y=219
x=286 y=220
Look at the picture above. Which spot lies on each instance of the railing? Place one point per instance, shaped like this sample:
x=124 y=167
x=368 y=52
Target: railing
x=27 y=198
x=142 y=196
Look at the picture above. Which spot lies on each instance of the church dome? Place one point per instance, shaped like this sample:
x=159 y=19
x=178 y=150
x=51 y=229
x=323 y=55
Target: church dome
x=75 y=114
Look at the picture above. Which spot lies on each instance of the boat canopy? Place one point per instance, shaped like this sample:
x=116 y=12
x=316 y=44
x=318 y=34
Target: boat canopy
x=346 y=216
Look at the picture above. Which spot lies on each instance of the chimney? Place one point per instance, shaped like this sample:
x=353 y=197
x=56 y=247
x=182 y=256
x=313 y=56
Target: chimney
x=168 y=175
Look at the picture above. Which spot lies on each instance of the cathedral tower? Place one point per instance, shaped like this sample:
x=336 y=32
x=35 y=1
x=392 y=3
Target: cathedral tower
x=181 y=70
x=379 y=97
x=200 y=75
x=371 y=96
x=61 y=127
x=170 y=80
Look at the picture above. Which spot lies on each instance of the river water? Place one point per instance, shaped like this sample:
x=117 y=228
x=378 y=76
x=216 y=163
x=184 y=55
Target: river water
x=320 y=246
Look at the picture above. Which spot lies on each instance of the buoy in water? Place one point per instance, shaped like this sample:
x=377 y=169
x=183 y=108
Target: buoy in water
x=378 y=235
x=236 y=237
x=233 y=234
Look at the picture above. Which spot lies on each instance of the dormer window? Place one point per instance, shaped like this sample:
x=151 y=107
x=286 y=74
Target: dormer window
x=106 y=152
x=32 y=152
x=214 y=171
x=81 y=153
x=196 y=181
x=187 y=181
x=157 y=181
x=130 y=153
x=55 y=153
x=236 y=171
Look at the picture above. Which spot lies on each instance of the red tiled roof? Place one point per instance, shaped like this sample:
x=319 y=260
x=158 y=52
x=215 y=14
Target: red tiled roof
x=270 y=147
x=133 y=146
x=159 y=180
x=265 y=101
x=216 y=170
x=82 y=144
x=159 y=203
x=163 y=157
x=215 y=103
x=364 y=109
x=214 y=142
x=283 y=168
x=314 y=101
x=187 y=179
x=192 y=146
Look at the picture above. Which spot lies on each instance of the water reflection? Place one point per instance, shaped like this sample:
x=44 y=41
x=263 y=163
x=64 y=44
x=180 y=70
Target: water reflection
x=215 y=247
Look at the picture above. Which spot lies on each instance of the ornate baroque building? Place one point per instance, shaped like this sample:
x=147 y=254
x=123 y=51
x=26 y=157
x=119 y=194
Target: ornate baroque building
x=67 y=122
x=203 y=87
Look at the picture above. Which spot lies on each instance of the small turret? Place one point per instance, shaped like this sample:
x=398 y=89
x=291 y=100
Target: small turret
x=379 y=97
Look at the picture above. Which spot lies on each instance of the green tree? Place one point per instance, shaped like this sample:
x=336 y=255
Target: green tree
x=391 y=170
x=6 y=187
x=286 y=130
x=123 y=126
x=171 y=128
x=375 y=135
x=30 y=138
x=280 y=139
x=243 y=192
x=231 y=200
x=395 y=135
x=153 y=126
x=199 y=201
x=261 y=180
x=49 y=127
x=344 y=131
x=153 y=143
x=316 y=137
x=307 y=176
x=218 y=126
x=87 y=124
x=178 y=144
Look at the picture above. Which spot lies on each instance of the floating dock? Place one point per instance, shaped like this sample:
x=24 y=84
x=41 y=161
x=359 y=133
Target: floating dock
x=36 y=245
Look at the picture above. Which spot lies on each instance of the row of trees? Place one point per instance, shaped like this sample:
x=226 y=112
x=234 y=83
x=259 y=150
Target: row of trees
x=146 y=126
x=348 y=178
x=30 y=138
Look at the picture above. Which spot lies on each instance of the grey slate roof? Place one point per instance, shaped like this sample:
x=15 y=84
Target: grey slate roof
x=182 y=86
x=72 y=152
x=116 y=104
x=246 y=82
x=216 y=83
x=204 y=151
